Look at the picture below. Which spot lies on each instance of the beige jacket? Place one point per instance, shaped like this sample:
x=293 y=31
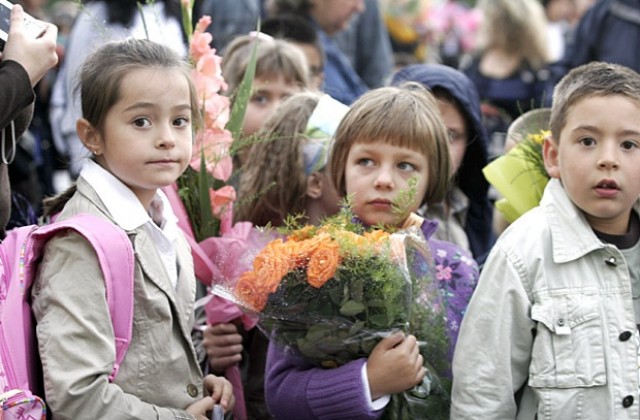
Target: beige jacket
x=160 y=375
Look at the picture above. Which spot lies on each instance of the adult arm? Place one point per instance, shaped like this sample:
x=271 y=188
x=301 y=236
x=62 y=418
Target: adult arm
x=25 y=61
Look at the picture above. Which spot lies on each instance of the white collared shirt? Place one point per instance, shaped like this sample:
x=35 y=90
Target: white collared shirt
x=128 y=213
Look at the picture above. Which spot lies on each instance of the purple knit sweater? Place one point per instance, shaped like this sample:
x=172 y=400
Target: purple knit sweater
x=294 y=389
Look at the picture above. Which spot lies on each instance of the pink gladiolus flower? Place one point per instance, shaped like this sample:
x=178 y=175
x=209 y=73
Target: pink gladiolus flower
x=216 y=111
x=208 y=75
x=199 y=46
x=202 y=24
x=214 y=145
x=222 y=199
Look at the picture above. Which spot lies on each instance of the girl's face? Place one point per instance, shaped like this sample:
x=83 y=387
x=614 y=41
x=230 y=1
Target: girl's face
x=377 y=177
x=147 y=135
x=267 y=95
x=457 y=129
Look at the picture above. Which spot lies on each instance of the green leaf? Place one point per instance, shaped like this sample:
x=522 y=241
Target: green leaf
x=206 y=213
x=352 y=308
x=243 y=94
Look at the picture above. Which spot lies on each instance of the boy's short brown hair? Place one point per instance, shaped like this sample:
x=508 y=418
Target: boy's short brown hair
x=588 y=80
x=406 y=116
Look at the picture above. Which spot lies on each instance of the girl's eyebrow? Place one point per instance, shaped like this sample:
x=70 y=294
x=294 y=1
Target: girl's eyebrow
x=149 y=105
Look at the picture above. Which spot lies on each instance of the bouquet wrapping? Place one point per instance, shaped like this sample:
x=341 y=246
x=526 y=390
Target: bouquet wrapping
x=331 y=293
x=519 y=176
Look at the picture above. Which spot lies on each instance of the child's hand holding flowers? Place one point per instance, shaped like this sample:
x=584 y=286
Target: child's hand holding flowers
x=336 y=293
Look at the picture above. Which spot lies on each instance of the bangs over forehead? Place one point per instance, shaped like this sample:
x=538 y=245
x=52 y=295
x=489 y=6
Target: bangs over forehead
x=395 y=116
x=406 y=116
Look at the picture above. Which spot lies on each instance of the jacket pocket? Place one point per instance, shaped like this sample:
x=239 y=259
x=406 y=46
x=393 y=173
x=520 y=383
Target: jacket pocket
x=568 y=350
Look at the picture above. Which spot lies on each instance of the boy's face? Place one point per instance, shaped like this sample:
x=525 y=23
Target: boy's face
x=598 y=160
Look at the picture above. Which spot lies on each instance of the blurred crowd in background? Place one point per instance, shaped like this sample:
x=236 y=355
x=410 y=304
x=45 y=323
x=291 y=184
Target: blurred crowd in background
x=513 y=51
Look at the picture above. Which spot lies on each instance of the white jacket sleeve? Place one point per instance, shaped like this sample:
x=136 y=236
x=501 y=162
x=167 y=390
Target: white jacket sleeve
x=491 y=361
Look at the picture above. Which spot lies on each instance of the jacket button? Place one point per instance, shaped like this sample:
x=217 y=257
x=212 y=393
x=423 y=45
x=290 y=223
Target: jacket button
x=611 y=261
x=625 y=335
x=627 y=401
x=560 y=322
x=192 y=390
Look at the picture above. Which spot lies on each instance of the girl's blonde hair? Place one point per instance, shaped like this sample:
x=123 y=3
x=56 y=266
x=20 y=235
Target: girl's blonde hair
x=274 y=57
x=405 y=116
x=274 y=182
x=517 y=27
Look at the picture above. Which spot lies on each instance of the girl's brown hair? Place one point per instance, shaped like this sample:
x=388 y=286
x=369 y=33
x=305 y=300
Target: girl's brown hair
x=274 y=57
x=274 y=182
x=100 y=80
x=405 y=116
x=102 y=74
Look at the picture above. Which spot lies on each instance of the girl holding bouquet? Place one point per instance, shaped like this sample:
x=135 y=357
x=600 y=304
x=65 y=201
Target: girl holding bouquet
x=298 y=133
x=390 y=152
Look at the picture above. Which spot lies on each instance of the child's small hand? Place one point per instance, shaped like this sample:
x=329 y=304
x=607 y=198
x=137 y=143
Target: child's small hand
x=221 y=391
x=394 y=365
x=223 y=344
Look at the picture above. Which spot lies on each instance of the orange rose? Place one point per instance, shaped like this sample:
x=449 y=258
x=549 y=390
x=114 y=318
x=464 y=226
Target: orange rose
x=302 y=234
x=323 y=263
x=249 y=291
x=349 y=238
x=376 y=235
x=300 y=251
x=271 y=264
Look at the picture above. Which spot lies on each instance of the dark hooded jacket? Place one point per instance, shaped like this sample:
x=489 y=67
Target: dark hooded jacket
x=469 y=177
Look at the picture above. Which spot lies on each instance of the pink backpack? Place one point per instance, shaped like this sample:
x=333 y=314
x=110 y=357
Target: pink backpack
x=20 y=252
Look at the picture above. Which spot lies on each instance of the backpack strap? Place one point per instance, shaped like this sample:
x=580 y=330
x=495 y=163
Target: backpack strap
x=115 y=254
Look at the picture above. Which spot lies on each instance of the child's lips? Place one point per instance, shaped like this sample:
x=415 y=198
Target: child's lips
x=381 y=203
x=607 y=188
x=163 y=162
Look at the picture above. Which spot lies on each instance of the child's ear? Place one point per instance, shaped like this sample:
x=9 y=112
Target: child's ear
x=551 y=160
x=314 y=185
x=89 y=136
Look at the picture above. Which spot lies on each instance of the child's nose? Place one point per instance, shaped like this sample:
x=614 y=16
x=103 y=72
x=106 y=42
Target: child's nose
x=608 y=158
x=166 y=138
x=384 y=179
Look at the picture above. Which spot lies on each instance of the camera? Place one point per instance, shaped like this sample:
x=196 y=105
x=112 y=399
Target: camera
x=32 y=27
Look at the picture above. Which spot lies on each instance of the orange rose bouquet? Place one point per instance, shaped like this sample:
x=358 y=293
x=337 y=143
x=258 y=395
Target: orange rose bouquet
x=332 y=292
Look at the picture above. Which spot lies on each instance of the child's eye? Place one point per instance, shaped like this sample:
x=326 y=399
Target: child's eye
x=181 y=122
x=365 y=162
x=629 y=144
x=259 y=99
x=456 y=137
x=406 y=166
x=587 y=141
x=142 y=122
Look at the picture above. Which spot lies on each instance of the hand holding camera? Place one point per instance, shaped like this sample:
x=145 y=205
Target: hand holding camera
x=28 y=41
